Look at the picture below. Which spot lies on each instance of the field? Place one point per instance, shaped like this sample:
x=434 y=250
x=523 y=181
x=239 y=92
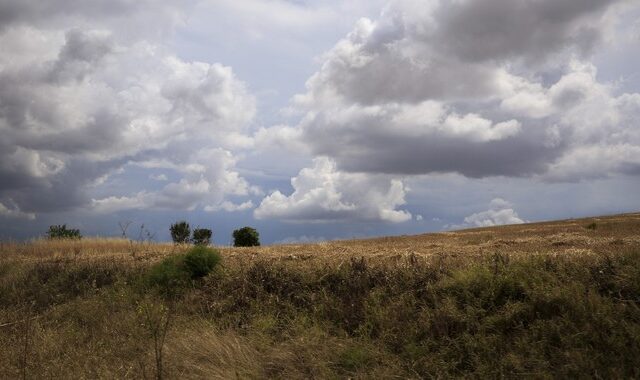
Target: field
x=544 y=300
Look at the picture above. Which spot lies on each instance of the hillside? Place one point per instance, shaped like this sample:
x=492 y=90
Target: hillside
x=554 y=299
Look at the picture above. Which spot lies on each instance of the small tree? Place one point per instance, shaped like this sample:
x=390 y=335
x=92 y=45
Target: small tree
x=202 y=236
x=246 y=237
x=62 y=232
x=180 y=232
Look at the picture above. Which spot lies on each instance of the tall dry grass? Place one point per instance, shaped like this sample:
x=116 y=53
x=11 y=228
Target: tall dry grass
x=553 y=299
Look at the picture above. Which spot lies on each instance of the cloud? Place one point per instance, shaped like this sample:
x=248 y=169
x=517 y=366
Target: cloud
x=15 y=213
x=500 y=212
x=158 y=177
x=134 y=19
x=454 y=50
x=230 y=206
x=494 y=30
x=77 y=105
x=94 y=96
x=480 y=88
x=207 y=176
x=322 y=193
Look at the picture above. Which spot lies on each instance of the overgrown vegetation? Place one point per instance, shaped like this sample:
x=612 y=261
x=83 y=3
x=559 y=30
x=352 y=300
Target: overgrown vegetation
x=62 y=232
x=246 y=237
x=513 y=304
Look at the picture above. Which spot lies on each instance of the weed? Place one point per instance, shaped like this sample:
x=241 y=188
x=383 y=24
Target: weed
x=155 y=318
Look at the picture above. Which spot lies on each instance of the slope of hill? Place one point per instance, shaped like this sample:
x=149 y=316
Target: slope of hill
x=555 y=299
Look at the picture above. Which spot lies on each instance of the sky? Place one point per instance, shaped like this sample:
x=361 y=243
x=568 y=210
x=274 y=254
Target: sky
x=315 y=120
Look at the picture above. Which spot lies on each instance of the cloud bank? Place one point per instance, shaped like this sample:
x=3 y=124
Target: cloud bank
x=78 y=104
x=480 y=88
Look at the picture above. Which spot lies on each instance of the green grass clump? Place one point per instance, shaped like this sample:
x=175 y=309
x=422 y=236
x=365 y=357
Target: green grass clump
x=175 y=272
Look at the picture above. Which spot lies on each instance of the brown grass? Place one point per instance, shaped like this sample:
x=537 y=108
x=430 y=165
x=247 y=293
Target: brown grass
x=553 y=299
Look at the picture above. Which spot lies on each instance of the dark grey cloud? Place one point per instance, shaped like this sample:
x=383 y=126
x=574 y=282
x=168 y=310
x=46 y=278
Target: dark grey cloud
x=81 y=53
x=481 y=88
x=392 y=77
x=34 y=12
x=451 y=50
x=494 y=30
x=523 y=155
x=66 y=190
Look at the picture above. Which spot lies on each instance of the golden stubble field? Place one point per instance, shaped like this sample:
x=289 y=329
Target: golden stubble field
x=552 y=299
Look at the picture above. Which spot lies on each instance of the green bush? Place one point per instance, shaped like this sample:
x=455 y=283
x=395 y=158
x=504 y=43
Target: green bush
x=175 y=272
x=246 y=237
x=180 y=232
x=200 y=260
x=202 y=236
x=169 y=275
x=62 y=232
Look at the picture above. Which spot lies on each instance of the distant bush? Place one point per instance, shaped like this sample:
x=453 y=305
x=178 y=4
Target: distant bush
x=592 y=226
x=246 y=237
x=174 y=273
x=202 y=236
x=180 y=232
x=62 y=232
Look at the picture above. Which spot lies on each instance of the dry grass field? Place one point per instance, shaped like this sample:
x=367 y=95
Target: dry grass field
x=544 y=300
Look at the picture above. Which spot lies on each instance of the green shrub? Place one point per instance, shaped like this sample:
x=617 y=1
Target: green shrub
x=202 y=236
x=62 y=232
x=169 y=275
x=180 y=232
x=175 y=272
x=200 y=260
x=592 y=226
x=246 y=237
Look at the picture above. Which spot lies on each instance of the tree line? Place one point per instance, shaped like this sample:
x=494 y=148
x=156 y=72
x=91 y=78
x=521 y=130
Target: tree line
x=180 y=234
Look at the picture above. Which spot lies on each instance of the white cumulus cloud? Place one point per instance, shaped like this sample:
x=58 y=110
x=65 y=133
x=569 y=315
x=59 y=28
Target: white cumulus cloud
x=500 y=212
x=323 y=193
x=78 y=104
